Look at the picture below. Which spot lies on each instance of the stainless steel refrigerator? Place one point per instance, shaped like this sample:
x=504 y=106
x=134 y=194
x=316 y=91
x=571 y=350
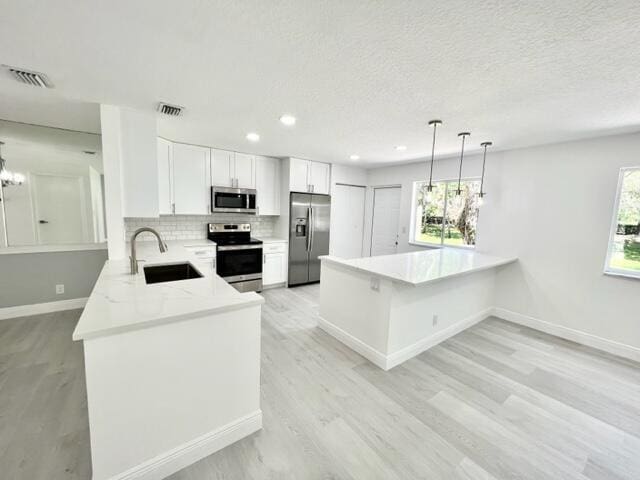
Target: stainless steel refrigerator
x=309 y=216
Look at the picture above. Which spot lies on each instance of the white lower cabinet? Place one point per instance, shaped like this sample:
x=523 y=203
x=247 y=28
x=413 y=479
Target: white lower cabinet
x=274 y=264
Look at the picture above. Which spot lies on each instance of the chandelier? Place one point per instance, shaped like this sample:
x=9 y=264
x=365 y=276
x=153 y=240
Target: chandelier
x=7 y=177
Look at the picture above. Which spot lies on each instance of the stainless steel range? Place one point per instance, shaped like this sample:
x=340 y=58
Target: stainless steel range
x=238 y=256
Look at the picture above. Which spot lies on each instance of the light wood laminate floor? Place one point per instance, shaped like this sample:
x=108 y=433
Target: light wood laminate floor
x=497 y=401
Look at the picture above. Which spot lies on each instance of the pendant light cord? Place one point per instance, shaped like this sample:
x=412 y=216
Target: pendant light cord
x=464 y=136
x=433 y=151
x=435 y=124
x=484 y=161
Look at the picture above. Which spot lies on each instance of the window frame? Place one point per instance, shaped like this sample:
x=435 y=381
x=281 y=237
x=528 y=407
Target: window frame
x=608 y=270
x=414 y=199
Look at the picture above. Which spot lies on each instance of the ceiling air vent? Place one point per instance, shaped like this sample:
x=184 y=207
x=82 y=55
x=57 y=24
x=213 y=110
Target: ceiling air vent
x=30 y=78
x=171 y=110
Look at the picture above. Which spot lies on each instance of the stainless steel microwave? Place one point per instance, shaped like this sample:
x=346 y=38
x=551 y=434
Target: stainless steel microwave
x=233 y=200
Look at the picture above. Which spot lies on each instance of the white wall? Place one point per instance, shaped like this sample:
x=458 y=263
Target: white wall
x=129 y=153
x=139 y=163
x=112 y=153
x=552 y=206
x=404 y=176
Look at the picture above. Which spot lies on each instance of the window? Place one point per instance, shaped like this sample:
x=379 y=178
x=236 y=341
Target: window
x=624 y=245
x=444 y=218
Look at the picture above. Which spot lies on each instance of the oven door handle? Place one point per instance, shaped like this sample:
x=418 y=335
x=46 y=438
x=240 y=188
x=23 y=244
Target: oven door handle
x=239 y=247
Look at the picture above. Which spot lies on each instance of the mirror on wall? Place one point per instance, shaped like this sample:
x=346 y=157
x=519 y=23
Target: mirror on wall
x=52 y=186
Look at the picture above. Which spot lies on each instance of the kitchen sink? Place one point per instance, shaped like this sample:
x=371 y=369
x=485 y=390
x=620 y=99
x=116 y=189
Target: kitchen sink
x=170 y=273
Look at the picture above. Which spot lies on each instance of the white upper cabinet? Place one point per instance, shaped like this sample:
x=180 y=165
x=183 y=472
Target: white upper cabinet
x=298 y=175
x=222 y=174
x=191 y=179
x=231 y=169
x=309 y=176
x=165 y=176
x=320 y=177
x=268 y=185
x=244 y=171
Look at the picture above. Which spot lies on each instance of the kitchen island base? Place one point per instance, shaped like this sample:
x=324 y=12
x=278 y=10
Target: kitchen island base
x=163 y=397
x=390 y=318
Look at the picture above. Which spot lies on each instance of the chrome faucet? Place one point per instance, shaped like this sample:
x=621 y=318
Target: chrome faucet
x=134 y=261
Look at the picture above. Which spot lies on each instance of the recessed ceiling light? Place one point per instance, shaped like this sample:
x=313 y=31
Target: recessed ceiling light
x=355 y=157
x=253 y=137
x=401 y=148
x=288 y=120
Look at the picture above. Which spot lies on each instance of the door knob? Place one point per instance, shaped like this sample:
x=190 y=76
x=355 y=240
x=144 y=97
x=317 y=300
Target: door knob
x=43 y=221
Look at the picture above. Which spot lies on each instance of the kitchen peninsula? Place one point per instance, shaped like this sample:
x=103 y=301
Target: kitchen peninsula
x=390 y=308
x=172 y=368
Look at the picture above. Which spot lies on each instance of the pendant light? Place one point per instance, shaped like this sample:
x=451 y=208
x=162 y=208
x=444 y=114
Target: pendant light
x=464 y=135
x=8 y=178
x=435 y=124
x=484 y=160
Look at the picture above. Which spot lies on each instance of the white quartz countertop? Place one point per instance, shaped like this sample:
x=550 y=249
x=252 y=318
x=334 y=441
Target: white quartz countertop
x=122 y=302
x=419 y=268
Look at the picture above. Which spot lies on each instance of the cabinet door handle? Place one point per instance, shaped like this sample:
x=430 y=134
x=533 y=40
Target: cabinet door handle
x=264 y=258
x=173 y=208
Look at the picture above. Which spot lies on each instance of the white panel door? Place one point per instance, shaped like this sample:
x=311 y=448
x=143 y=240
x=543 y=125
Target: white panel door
x=165 y=177
x=298 y=175
x=222 y=173
x=60 y=209
x=274 y=268
x=191 y=179
x=244 y=171
x=347 y=221
x=386 y=213
x=320 y=177
x=268 y=185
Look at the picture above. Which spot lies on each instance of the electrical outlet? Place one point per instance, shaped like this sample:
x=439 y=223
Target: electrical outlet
x=60 y=289
x=375 y=284
x=434 y=321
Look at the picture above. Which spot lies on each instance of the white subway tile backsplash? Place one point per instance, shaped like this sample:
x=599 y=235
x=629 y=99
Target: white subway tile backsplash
x=194 y=227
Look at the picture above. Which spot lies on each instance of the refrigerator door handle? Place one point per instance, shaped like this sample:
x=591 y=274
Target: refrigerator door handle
x=311 y=228
x=308 y=229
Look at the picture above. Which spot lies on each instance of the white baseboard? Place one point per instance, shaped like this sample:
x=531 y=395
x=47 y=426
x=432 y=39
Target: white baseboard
x=39 y=308
x=386 y=362
x=583 y=338
x=420 y=346
x=370 y=353
x=180 y=457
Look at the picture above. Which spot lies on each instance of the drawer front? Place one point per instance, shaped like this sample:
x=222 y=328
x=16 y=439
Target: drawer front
x=206 y=252
x=274 y=247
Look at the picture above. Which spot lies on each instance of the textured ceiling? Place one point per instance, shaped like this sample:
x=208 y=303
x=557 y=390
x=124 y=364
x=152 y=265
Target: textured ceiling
x=360 y=76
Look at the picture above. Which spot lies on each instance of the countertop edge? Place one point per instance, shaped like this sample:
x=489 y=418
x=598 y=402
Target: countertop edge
x=342 y=263
x=108 y=331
